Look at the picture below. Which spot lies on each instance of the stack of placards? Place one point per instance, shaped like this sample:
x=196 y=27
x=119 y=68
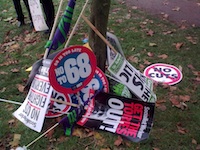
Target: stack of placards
x=122 y=102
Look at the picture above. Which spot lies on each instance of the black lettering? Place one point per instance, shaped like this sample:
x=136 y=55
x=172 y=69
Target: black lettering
x=151 y=75
x=125 y=75
x=146 y=94
x=138 y=83
x=159 y=75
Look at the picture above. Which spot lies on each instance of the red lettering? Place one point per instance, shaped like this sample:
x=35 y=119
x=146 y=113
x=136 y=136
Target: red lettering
x=138 y=112
x=121 y=129
x=128 y=108
x=126 y=118
x=132 y=133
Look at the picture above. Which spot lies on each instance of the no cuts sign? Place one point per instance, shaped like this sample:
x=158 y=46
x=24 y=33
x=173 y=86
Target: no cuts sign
x=164 y=73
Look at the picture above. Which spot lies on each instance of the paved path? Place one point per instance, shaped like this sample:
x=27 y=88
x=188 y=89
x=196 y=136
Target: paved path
x=181 y=12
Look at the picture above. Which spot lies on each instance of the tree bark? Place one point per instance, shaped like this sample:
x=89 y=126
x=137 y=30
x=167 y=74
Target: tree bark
x=99 y=18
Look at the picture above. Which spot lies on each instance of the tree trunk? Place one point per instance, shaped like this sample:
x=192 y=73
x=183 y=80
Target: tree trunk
x=99 y=18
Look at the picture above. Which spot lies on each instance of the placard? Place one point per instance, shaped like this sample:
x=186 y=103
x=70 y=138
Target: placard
x=72 y=69
x=37 y=15
x=164 y=73
x=32 y=111
x=130 y=118
x=133 y=79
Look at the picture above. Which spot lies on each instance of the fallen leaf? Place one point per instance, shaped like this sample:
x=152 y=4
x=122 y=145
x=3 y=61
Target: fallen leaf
x=167 y=32
x=134 y=7
x=16 y=140
x=3 y=73
x=194 y=141
x=180 y=68
x=105 y=149
x=178 y=45
x=192 y=40
x=176 y=9
x=20 y=88
x=181 y=129
x=196 y=73
x=133 y=59
x=78 y=132
x=146 y=62
x=165 y=16
x=8 y=19
x=141 y=66
x=174 y=100
x=198 y=147
x=161 y=107
x=152 y=44
x=15 y=47
x=150 y=33
x=14 y=70
x=184 y=98
x=197 y=79
x=163 y=56
x=155 y=148
x=172 y=88
x=119 y=141
x=150 y=54
x=190 y=66
x=3 y=90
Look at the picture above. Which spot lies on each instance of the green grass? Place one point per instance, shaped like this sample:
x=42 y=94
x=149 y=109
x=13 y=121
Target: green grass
x=131 y=31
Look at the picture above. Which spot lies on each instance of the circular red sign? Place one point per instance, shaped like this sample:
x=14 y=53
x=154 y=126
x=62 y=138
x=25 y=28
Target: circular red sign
x=72 y=69
x=164 y=73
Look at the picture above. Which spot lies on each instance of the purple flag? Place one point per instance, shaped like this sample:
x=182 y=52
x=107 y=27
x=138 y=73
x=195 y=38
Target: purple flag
x=63 y=27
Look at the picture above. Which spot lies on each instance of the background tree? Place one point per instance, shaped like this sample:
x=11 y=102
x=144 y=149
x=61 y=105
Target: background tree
x=99 y=18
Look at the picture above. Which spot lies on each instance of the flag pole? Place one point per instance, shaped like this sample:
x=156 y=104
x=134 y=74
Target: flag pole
x=53 y=28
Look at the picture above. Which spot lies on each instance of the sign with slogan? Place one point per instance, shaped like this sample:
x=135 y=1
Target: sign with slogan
x=72 y=69
x=164 y=73
x=141 y=86
x=56 y=109
x=37 y=15
x=32 y=111
x=130 y=118
x=98 y=82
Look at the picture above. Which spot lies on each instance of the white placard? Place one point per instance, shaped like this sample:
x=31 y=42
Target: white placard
x=37 y=15
x=132 y=78
x=32 y=111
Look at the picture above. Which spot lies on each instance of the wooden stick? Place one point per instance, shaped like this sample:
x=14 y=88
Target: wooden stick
x=52 y=99
x=42 y=135
x=77 y=22
x=9 y=101
x=53 y=28
x=63 y=102
x=98 y=33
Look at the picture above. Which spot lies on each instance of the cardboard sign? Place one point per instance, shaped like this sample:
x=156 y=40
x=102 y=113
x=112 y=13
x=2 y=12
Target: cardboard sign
x=133 y=79
x=37 y=15
x=130 y=118
x=72 y=69
x=164 y=73
x=56 y=109
x=32 y=111
x=98 y=82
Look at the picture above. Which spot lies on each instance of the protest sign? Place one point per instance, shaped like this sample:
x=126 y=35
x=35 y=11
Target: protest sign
x=72 y=69
x=37 y=15
x=164 y=73
x=32 y=111
x=140 y=85
x=130 y=118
